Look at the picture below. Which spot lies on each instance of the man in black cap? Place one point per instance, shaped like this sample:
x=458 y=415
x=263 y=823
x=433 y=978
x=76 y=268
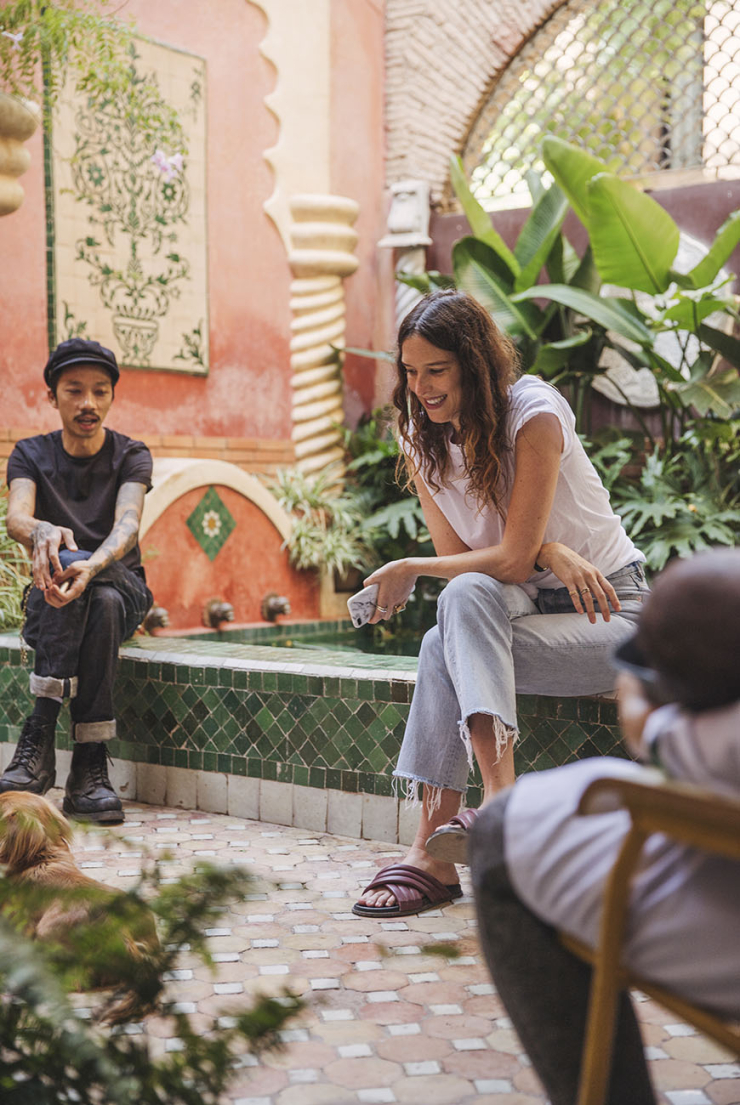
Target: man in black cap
x=76 y=498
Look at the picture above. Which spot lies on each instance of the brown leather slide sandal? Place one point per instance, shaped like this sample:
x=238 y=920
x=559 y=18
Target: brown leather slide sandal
x=414 y=890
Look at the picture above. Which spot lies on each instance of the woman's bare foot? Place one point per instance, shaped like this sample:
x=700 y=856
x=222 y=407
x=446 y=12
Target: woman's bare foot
x=416 y=857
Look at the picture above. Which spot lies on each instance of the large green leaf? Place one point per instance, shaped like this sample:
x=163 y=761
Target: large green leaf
x=572 y=169
x=478 y=217
x=688 y=311
x=719 y=393
x=553 y=356
x=606 y=312
x=583 y=273
x=476 y=266
x=722 y=343
x=538 y=235
x=633 y=238
x=724 y=243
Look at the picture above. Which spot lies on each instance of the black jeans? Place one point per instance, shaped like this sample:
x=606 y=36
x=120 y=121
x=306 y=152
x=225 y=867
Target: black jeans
x=77 y=646
x=544 y=988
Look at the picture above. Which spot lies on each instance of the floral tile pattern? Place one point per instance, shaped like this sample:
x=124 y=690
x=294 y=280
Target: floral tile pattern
x=211 y=523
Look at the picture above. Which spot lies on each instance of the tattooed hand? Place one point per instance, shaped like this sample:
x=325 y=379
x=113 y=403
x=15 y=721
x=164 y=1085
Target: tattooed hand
x=46 y=540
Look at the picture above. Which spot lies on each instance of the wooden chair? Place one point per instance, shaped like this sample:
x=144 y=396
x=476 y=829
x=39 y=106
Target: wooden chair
x=686 y=814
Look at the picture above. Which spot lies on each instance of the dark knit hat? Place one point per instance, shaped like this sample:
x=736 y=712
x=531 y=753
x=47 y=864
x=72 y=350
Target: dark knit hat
x=687 y=645
x=79 y=351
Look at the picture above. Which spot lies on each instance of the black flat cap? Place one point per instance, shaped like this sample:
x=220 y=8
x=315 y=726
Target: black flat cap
x=78 y=351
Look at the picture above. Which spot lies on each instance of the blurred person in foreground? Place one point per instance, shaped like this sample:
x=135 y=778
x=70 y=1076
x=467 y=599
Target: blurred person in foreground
x=538 y=867
x=76 y=499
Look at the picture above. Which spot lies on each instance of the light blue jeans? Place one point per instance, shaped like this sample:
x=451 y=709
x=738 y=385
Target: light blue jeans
x=491 y=641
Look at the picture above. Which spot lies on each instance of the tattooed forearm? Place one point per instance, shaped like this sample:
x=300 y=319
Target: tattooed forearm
x=122 y=537
x=118 y=542
x=20 y=521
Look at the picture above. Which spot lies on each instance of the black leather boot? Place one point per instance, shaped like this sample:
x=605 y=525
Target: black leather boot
x=33 y=766
x=88 y=795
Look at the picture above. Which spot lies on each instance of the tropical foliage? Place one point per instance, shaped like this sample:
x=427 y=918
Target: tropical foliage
x=15 y=572
x=53 y=1051
x=624 y=292
x=43 y=43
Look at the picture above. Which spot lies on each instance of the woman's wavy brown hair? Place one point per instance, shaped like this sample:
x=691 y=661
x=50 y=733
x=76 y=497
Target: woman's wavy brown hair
x=455 y=322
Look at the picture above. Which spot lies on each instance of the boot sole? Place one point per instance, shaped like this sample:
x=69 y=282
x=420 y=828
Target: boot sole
x=28 y=790
x=109 y=817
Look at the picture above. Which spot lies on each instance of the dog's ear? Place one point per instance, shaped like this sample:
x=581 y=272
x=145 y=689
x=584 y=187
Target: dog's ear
x=30 y=829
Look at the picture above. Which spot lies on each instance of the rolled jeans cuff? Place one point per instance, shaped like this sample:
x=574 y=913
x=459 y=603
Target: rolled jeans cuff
x=88 y=732
x=48 y=686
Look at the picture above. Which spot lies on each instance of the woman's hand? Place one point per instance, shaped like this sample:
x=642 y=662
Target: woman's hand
x=586 y=585
x=395 y=581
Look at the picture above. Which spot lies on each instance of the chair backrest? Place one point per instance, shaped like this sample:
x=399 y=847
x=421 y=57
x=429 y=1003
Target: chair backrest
x=687 y=814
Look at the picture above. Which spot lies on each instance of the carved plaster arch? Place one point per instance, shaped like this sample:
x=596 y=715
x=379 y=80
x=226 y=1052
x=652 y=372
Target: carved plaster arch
x=173 y=477
x=442 y=60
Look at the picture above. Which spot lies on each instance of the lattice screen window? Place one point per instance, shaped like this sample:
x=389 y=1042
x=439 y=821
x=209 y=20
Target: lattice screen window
x=646 y=85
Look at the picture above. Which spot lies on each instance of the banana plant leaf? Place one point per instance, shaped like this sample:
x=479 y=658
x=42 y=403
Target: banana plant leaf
x=475 y=266
x=479 y=219
x=538 y=235
x=724 y=243
x=572 y=169
x=718 y=392
x=634 y=239
x=552 y=357
x=720 y=342
x=606 y=312
x=586 y=275
x=688 y=312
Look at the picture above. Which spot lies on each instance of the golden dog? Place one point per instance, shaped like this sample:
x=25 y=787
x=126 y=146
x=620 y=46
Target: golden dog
x=34 y=850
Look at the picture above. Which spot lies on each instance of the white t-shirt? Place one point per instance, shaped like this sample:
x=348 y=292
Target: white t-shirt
x=684 y=916
x=581 y=515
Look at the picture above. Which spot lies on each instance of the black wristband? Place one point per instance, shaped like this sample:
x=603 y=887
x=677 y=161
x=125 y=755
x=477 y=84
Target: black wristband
x=538 y=569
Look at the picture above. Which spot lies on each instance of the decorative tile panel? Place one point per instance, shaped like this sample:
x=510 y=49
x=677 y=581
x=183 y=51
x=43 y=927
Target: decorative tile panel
x=129 y=265
x=211 y=523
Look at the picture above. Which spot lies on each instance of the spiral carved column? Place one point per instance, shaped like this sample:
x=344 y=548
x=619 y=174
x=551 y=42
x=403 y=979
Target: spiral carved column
x=322 y=240
x=18 y=121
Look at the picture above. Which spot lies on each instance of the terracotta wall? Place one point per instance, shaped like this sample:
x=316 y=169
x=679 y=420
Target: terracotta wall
x=241 y=410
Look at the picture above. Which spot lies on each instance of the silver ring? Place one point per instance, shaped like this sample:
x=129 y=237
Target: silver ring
x=382 y=609
x=585 y=590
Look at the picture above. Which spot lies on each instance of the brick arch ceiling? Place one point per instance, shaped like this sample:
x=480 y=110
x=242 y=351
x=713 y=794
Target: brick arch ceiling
x=443 y=57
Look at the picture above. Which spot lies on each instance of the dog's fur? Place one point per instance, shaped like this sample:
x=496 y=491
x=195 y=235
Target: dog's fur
x=34 y=849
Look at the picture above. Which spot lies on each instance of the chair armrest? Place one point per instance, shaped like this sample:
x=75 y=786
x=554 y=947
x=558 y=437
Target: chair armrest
x=689 y=814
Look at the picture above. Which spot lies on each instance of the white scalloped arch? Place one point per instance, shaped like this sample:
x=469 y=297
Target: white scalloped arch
x=173 y=477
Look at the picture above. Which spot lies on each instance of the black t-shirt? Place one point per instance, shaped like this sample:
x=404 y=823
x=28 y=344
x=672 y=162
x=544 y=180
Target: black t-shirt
x=81 y=492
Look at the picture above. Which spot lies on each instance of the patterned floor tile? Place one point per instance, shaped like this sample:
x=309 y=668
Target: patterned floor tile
x=384 y=1021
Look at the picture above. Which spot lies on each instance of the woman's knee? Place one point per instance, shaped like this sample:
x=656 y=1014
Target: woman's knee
x=470 y=590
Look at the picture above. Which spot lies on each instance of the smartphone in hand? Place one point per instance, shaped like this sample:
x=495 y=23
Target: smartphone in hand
x=362 y=605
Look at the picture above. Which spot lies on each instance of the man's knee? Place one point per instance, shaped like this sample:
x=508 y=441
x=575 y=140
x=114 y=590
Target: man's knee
x=105 y=602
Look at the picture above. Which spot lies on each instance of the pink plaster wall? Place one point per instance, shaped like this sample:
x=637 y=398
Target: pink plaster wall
x=250 y=565
x=357 y=170
x=247 y=392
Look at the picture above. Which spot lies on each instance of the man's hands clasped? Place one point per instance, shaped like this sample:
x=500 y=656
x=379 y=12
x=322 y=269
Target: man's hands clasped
x=60 y=586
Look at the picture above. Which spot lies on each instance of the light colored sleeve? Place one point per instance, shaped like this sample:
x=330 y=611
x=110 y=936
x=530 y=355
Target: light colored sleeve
x=703 y=749
x=534 y=396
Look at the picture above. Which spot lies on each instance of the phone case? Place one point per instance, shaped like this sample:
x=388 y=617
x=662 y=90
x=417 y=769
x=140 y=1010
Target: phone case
x=362 y=605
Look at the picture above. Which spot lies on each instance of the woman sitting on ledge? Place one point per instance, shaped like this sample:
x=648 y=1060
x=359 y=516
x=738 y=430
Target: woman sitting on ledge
x=523 y=530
